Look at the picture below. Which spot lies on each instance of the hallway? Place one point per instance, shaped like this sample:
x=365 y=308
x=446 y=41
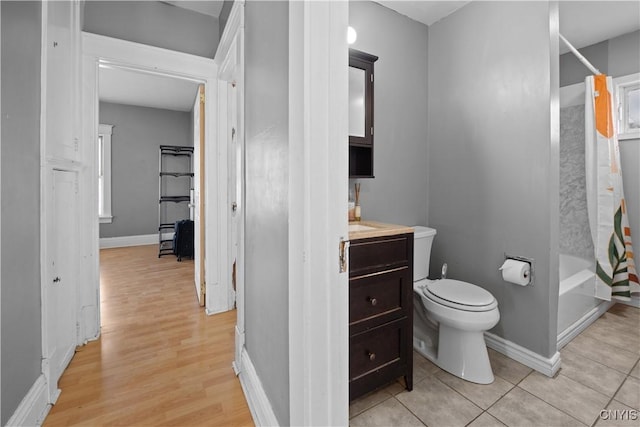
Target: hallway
x=160 y=360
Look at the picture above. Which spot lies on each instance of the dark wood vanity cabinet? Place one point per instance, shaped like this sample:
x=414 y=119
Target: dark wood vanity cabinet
x=380 y=312
x=361 y=82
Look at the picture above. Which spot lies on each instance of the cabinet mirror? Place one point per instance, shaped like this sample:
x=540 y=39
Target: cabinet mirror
x=361 y=114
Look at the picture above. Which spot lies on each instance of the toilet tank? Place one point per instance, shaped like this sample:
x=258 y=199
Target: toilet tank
x=422 y=240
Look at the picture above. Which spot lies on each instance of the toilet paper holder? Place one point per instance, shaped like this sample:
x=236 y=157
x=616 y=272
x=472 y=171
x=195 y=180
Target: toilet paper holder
x=530 y=261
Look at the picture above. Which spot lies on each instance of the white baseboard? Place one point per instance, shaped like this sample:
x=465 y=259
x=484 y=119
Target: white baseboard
x=261 y=409
x=239 y=347
x=34 y=406
x=124 y=241
x=583 y=323
x=544 y=365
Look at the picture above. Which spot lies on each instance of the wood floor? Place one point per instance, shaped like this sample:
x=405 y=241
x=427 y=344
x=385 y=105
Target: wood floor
x=160 y=360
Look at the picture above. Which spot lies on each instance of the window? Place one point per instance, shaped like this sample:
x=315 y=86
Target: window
x=104 y=173
x=628 y=102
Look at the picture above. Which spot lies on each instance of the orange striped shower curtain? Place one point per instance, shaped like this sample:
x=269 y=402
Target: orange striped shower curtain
x=616 y=275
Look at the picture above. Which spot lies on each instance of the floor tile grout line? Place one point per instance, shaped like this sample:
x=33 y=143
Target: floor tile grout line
x=553 y=406
x=501 y=397
x=446 y=385
x=606 y=343
x=372 y=406
x=593 y=360
x=562 y=410
x=410 y=411
x=611 y=400
x=601 y=363
x=591 y=388
x=494 y=403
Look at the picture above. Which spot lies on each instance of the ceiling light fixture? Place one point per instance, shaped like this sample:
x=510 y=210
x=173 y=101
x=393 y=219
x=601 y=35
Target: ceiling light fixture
x=351 y=35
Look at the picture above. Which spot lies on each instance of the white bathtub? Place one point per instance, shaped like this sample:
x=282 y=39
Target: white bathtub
x=577 y=306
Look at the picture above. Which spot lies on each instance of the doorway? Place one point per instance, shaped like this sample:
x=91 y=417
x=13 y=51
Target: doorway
x=150 y=166
x=102 y=52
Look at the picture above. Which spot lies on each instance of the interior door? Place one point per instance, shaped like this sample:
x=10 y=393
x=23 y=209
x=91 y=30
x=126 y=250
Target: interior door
x=199 y=187
x=60 y=286
x=60 y=74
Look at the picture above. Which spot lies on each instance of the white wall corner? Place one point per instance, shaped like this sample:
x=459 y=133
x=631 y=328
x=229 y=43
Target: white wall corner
x=259 y=405
x=548 y=366
x=34 y=407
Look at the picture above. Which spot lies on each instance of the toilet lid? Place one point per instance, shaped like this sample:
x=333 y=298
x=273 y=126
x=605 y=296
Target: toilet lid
x=460 y=295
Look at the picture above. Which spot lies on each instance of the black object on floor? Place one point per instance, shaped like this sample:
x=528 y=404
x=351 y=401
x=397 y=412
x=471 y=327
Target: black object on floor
x=183 y=239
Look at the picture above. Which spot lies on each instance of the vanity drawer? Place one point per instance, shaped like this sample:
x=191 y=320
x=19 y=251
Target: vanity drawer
x=381 y=295
x=377 y=348
x=380 y=253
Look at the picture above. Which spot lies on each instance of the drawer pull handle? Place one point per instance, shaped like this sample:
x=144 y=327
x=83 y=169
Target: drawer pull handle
x=372 y=356
x=373 y=301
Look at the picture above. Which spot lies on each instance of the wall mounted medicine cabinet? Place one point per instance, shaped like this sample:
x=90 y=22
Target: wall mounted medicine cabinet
x=361 y=114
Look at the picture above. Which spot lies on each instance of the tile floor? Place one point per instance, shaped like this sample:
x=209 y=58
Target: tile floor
x=600 y=371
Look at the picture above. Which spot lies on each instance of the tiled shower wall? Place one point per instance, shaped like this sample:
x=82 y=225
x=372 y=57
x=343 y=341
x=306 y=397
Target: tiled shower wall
x=575 y=236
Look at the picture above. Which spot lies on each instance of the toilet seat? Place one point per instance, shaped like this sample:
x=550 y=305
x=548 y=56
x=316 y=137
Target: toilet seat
x=459 y=295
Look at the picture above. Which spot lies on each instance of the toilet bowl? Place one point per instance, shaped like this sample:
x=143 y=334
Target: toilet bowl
x=450 y=318
x=460 y=321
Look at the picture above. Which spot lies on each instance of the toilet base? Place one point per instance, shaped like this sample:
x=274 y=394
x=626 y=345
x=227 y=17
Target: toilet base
x=464 y=354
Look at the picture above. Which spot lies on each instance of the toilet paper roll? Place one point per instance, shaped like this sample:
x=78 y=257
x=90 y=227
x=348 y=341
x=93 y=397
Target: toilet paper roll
x=518 y=272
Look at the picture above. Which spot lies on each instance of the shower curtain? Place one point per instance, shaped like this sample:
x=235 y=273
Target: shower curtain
x=616 y=276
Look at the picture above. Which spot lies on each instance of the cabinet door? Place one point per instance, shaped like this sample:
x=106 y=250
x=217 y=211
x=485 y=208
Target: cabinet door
x=378 y=356
x=378 y=298
x=361 y=98
x=61 y=73
x=60 y=286
x=380 y=253
x=361 y=103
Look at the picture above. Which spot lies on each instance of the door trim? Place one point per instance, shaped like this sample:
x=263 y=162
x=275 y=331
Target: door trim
x=106 y=50
x=318 y=166
x=230 y=58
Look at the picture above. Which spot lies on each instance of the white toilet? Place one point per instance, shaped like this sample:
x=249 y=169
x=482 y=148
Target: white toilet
x=450 y=317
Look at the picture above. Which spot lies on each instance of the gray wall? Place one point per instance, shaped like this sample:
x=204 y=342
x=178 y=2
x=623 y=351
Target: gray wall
x=153 y=23
x=267 y=171
x=138 y=132
x=224 y=16
x=492 y=159
x=573 y=71
x=624 y=54
x=20 y=156
x=398 y=193
x=615 y=57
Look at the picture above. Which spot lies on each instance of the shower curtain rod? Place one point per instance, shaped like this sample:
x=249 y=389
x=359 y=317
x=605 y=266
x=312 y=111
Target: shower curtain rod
x=581 y=58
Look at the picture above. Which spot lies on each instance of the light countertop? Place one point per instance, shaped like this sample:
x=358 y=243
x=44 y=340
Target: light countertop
x=367 y=229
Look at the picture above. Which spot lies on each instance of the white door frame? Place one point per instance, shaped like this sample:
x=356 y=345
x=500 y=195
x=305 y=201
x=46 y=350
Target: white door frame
x=318 y=177
x=97 y=50
x=230 y=58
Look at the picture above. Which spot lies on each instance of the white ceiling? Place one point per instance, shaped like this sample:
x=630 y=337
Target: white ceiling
x=128 y=87
x=583 y=23
x=427 y=12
